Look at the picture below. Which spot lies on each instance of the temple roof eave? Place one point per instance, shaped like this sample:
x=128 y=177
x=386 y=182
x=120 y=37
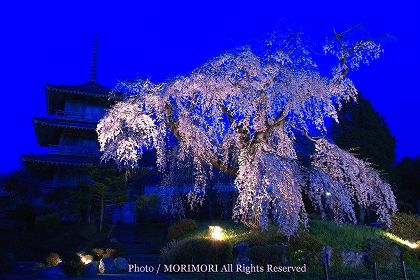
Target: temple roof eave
x=56 y=94
x=60 y=160
x=90 y=89
x=59 y=123
x=47 y=130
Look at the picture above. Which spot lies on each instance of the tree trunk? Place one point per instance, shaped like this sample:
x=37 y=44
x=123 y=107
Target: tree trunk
x=101 y=219
x=362 y=213
x=89 y=214
x=210 y=209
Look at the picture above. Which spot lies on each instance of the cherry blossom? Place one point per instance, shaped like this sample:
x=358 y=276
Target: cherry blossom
x=240 y=113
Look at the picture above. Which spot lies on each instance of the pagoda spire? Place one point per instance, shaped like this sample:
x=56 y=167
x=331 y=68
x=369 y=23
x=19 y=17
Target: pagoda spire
x=94 y=60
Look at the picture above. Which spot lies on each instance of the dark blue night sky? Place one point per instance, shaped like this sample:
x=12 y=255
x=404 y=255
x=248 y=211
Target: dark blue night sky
x=52 y=43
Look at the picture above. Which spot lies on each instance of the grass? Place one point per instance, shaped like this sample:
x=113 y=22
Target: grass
x=384 y=273
x=338 y=236
x=233 y=232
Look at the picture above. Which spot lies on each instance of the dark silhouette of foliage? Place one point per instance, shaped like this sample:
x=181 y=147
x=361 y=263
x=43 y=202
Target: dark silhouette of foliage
x=72 y=265
x=106 y=188
x=363 y=130
x=408 y=170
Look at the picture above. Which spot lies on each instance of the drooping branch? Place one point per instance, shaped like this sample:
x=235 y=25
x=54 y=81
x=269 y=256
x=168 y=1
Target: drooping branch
x=174 y=128
x=304 y=133
x=241 y=130
x=237 y=113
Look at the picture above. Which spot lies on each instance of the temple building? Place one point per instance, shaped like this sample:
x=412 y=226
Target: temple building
x=68 y=133
x=69 y=130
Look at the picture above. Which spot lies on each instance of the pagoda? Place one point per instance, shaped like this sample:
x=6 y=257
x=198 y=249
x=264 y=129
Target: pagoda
x=69 y=130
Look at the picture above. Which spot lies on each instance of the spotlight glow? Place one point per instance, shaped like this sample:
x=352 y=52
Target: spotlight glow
x=216 y=232
x=84 y=258
x=401 y=241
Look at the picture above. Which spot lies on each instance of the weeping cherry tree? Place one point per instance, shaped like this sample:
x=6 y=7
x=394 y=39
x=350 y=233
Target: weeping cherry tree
x=240 y=113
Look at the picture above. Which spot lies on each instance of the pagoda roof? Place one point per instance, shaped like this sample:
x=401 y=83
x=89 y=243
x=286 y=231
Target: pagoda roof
x=48 y=130
x=69 y=160
x=57 y=94
x=90 y=89
x=62 y=123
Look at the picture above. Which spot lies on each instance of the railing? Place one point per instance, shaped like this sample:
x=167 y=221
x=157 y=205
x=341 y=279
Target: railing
x=73 y=150
x=78 y=115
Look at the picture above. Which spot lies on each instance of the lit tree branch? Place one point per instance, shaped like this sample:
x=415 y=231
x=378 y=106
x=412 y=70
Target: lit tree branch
x=238 y=113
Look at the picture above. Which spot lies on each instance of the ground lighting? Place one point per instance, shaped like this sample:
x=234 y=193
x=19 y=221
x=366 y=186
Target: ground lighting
x=401 y=241
x=216 y=232
x=84 y=258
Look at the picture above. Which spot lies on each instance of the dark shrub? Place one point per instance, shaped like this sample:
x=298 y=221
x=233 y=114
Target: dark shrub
x=6 y=262
x=87 y=232
x=23 y=213
x=305 y=248
x=269 y=254
x=48 y=221
x=72 y=265
x=99 y=253
x=412 y=257
x=52 y=259
x=383 y=252
x=406 y=226
x=261 y=238
x=200 y=250
x=145 y=202
x=178 y=229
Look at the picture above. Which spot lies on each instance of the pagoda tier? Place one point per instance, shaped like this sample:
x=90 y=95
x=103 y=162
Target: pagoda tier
x=49 y=131
x=69 y=130
x=91 y=92
x=147 y=162
x=62 y=160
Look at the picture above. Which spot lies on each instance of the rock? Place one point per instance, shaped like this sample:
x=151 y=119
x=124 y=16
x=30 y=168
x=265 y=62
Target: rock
x=53 y=272
x=106 y=265
x=270 y=254
x=243 y=260
x=326 y=255
x=241 y=248
x=381 y=251
x=353 y=258
x=284 y=250
x=91 y=269
x=121 y=264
